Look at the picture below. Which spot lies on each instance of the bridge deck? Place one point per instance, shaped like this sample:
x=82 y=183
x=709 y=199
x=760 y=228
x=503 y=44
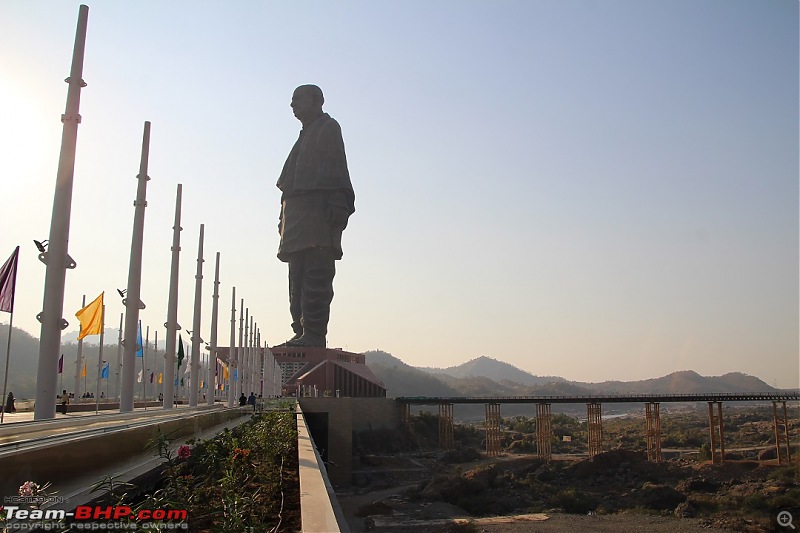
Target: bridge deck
x=607 y=398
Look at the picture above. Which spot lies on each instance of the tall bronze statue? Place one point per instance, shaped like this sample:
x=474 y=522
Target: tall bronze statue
x=316 y=202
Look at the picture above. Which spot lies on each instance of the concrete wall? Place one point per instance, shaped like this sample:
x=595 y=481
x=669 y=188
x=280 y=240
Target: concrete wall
x=81 y=456
x=319 y=509
x=346 y=415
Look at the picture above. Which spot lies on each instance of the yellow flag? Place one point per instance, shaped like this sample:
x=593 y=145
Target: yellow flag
x=224 y=372
x=83 y=372
x=91 y=317
x=159 y=378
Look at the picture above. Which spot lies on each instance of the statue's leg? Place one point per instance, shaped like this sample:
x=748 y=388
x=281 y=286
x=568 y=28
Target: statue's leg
x=317 y=295
x=296 y=267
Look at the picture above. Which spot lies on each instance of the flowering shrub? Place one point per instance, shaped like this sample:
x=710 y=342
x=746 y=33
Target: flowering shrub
x=184 y=451
x=29 y=488
x=243 y=479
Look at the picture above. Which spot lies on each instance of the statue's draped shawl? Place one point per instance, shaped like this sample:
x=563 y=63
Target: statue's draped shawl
x=314 y=178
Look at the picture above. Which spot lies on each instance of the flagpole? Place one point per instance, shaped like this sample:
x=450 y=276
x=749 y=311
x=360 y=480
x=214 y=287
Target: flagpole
x=144 y=358
x=172 y=308
x=8 y=358
x=213 y=348
x=119 y=359
x=133 y=303
x=100 y=360
x=79 y=360
x=56 y=256
x=194 y=360
x=231 y=350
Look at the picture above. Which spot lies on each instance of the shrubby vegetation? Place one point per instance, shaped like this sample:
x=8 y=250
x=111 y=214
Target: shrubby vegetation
x=244 y=479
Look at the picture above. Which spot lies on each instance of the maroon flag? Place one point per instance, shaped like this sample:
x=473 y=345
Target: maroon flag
x=61 y=364
x=8 y=282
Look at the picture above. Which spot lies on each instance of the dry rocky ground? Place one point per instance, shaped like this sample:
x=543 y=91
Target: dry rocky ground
x=616 y=491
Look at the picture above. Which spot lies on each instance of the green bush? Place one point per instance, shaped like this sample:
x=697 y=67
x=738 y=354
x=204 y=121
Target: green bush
x=574 y=501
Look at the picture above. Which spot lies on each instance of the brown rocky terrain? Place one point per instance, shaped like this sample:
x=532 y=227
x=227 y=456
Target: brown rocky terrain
x=619 y=490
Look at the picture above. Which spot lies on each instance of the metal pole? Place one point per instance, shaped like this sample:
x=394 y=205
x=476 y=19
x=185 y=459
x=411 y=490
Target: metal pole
x=132 y=301
x=194 y=371
x=172 y=308
x=144 y=366
x=119 y=359
x=212 y=356
x=8 y=358
x=246 y=354
x=260 y=366
x=78 y=361
x=240 y=352
x=56 y=257
x=232 y=351
x=99 y=360
x=155 y=365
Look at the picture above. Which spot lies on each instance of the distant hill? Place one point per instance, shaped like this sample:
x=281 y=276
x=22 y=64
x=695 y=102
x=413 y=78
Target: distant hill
x=485 y=376
x=684 y=382
x=111 y=336
x=405 y=380
x=401 y=379
x=24 y=363
x=493 y=369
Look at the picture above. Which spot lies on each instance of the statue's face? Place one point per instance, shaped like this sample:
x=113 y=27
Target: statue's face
x=304 y=105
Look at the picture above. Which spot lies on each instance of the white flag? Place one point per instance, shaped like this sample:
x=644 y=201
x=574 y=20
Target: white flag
x=139 y=379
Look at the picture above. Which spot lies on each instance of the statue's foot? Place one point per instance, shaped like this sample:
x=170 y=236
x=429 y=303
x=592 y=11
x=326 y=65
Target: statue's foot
x=308 y=339
x=287 y=343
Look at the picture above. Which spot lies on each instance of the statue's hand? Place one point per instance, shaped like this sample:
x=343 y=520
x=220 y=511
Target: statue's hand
x=337 y=216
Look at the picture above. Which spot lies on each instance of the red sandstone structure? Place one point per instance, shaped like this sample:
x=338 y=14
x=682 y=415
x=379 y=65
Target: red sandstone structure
x=320 y=372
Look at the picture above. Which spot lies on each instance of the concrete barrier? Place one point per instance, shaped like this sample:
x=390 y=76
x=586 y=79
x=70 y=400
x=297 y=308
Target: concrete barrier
x=319 y=508
x=85 y=456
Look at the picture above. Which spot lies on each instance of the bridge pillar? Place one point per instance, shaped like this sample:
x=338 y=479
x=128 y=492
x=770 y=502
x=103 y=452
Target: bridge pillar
x=405 y=417
x=544 y=431
x=595 y=426
x=781 y=436
x=717 y=433
x=446 y=426
x=492 y=429
x=652 y=415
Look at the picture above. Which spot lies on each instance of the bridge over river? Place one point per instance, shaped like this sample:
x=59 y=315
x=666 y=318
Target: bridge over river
x=594 y=417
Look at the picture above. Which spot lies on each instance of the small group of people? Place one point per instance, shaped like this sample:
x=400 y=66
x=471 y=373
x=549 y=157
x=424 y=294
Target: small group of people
x=86 y=395
x=248 y=400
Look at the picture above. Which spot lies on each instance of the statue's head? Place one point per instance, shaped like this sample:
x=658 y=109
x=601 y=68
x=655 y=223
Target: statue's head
x=307 y=103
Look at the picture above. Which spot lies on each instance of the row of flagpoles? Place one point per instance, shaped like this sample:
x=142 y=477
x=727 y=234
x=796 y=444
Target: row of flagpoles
x=92 y=322
x=245 y=362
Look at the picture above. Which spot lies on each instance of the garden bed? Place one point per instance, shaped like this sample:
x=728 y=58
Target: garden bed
x=245 y=479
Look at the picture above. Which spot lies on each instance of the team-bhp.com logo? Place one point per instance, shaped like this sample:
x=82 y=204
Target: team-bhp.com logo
x=88 y=517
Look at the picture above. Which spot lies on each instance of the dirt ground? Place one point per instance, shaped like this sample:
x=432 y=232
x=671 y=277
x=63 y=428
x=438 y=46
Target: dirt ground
x=409 y=493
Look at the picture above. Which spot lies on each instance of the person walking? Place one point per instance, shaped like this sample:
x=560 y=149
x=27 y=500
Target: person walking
x=10 y=403
x=64 y=401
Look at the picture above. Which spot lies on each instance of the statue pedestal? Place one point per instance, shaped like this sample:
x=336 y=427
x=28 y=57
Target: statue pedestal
x=326 y=372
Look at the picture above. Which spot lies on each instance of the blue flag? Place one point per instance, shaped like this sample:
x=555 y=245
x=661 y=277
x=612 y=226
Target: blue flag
x=139 y=344
x=235 y=374
x=104 y=373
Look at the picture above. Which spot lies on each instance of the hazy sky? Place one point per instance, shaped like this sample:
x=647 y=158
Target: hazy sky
x=591 y=189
